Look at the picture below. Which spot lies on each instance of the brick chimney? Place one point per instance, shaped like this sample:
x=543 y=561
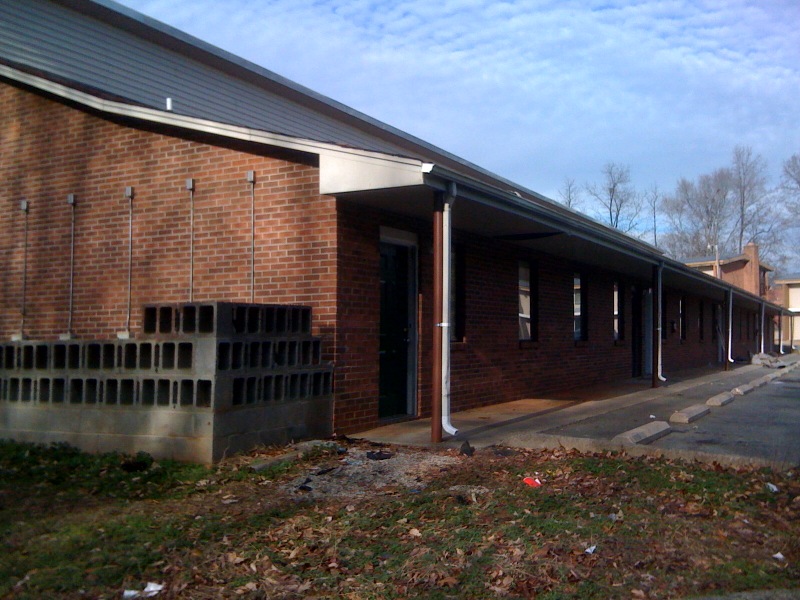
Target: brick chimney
x=752 y=280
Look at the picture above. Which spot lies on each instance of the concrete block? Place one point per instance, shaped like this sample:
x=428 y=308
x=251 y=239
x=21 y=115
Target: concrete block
x=692 y=413
x=742 y=390
x=720 y=399
x=644 y=434
x=171 y=423
x=760 y=381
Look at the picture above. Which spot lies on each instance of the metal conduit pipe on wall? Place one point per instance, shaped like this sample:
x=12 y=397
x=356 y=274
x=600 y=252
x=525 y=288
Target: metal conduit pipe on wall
x=71 y=201
x=190 y=188
x=23 y=205
x=129 y=192
x=251 y=179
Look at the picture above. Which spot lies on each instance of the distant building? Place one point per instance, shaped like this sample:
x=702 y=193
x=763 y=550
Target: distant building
x=786 y=292
x=744 y=270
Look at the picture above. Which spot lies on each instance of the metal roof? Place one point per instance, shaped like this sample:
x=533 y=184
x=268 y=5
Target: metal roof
x=102 y=45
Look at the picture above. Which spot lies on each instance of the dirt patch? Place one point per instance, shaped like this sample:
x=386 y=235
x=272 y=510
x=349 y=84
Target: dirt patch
x=360 y=472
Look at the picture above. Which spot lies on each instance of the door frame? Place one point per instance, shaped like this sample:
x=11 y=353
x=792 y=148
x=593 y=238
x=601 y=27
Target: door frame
x=408 y=239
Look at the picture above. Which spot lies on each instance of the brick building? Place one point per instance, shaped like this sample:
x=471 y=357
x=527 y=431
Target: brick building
x=745 y=270
x=147 y=179
x=786 y=293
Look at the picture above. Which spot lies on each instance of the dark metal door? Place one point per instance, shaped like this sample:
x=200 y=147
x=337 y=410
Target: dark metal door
x=396 y=337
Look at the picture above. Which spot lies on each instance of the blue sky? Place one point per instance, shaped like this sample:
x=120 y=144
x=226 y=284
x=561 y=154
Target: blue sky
x=538 y=90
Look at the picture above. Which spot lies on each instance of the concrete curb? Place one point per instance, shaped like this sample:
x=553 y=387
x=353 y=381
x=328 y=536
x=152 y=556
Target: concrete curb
x=638 y=448
x=687 y=415
x=720 y=399
x=555 y=442
x=692 y=413
x=643 y=434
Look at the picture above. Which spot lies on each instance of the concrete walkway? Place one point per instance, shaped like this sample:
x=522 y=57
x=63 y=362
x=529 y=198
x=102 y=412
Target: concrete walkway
x=628 y=416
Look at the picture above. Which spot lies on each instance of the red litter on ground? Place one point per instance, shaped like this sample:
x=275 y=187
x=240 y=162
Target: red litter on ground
x=532 y=481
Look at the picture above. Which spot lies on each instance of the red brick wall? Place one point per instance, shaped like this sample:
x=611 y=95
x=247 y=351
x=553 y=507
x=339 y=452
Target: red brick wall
x=492 y=361
x=491 y=365
x=692 y=351
x=358 y=317
x=50 y=150
x=736 y=274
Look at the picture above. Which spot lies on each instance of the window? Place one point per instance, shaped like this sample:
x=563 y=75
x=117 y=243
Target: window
x=682 y=317
x=579 y=320
x=619 y=312
x=528 y=301
x=457 y=295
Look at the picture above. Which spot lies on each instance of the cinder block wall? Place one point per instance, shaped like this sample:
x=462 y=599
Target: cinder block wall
x=50 y=150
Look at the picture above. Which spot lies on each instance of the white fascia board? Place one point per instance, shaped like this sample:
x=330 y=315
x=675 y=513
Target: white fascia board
x=237 y=132
x=340 y=173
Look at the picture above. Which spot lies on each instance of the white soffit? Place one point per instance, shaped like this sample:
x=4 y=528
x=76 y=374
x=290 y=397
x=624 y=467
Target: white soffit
x=340 y=173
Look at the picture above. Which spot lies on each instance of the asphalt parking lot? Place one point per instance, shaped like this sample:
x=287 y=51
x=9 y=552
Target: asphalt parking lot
x=758 y=426
x=765 y=423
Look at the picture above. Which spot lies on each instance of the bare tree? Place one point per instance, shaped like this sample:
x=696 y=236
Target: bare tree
x=749 y=187
x=570 y=194
x=700 y=215
x=790 y=186
x=653 y=198
x=619 y=205
x=791 y=178
x=728 y=208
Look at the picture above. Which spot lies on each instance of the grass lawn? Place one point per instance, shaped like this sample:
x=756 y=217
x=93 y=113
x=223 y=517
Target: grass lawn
x=599 y=526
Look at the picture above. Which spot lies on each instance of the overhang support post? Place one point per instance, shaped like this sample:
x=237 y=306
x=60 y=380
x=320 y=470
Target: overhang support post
x=436 y=383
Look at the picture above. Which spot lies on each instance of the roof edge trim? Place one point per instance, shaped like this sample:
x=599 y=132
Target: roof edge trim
x=151 y=115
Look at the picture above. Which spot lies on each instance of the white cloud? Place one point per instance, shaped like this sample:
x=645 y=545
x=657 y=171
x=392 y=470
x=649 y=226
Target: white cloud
x=537 y=90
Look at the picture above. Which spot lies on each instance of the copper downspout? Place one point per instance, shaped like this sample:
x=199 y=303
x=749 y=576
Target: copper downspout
x=436 y=383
